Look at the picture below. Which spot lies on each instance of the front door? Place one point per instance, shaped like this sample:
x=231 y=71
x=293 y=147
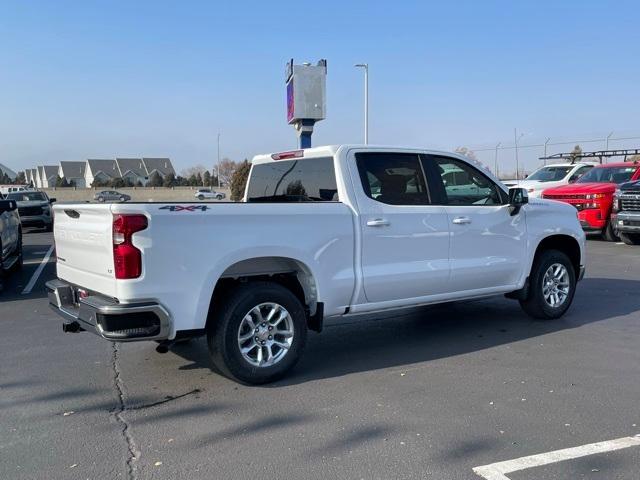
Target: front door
x=405 y=239
x=488 y=244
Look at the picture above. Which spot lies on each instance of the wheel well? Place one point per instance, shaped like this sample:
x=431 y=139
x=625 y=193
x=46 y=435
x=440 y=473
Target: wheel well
x=564 y=243
x=290 y=273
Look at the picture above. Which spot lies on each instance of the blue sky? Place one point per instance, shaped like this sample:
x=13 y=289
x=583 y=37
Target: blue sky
x=100 y=79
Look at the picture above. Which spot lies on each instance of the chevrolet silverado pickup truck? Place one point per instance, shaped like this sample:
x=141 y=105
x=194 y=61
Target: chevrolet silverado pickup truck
x=325 y=232
x=592 y=195
x=626 y=212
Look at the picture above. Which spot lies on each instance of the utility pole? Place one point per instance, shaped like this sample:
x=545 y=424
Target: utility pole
x=365 y=66
x=217 y=169
x=546 y=142
x=495 y=168
x=516 y=138
x=606 y=147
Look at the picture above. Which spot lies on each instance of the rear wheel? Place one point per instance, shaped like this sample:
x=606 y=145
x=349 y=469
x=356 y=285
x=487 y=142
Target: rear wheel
x=218 y=197
x=630 y=238
x=101 y=199
x=258 y=334
x=609 y=234
x=552 y=284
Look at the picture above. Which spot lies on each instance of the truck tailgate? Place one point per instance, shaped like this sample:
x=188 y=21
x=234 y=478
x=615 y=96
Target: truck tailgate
x=84 y=246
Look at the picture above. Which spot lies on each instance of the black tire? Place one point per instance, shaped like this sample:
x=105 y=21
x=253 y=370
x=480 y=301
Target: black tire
x=535 y=305
x=224 y=326
x=101 y=199
x=18 y=265
x=609 y=234
x=123 y=199
x=630 y=238
x=200 y=197
x=218 y=197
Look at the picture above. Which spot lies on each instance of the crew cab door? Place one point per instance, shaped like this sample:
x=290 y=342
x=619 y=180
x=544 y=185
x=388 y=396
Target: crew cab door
x=488 y=244
x=404 y=237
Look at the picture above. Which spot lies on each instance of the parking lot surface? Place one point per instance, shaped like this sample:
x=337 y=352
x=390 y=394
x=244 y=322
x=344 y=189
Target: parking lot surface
x=426 y=393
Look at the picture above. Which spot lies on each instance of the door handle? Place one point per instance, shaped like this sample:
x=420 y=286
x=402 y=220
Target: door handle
x=461 y=220
x=378 y=222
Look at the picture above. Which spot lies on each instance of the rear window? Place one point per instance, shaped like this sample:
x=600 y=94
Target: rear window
x=309 y=180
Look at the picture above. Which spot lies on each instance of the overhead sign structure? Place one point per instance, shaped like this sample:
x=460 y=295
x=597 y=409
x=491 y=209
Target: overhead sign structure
x=306 y=97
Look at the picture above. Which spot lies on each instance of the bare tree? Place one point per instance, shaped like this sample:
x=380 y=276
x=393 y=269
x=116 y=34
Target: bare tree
x=195 y=170
x=226 y=169
x=467 y=152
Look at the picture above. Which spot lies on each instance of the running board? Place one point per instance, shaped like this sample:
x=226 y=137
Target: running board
x=10 y=262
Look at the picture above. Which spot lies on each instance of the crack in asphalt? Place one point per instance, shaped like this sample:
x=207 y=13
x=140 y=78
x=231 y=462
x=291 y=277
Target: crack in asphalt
x=133 y=453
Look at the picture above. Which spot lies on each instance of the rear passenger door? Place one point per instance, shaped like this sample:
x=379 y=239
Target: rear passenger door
x=405 y=238
x=488 y=244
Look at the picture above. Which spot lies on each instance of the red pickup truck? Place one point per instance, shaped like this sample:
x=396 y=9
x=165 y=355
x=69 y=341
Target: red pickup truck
x=592 y=195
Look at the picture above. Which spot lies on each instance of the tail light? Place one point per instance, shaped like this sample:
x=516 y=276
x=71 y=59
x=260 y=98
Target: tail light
x=127 y=259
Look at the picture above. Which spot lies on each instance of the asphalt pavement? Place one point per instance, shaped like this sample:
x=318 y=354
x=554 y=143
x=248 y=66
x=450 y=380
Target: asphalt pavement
x=426 y=393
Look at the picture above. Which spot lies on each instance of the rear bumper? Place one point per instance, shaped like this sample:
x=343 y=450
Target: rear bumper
x=36 y=220
x=626 y=222
x=106 y=317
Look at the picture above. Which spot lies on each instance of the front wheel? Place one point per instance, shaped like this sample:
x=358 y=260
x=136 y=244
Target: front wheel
x=609 y=234
x=630 y=238
x=101 y=199
x=200 y=197
x=258 y=334
x=552 y=285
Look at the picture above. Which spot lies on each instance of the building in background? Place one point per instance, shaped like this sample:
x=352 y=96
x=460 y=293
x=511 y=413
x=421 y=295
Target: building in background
x=73 y=173
x=102 y=170
x=161 y=165
x=4 y=170
x=132 y=170
x=47 y=176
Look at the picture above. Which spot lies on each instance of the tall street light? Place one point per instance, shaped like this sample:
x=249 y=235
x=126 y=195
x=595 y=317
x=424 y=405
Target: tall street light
x=495 y=168
x=366 y=99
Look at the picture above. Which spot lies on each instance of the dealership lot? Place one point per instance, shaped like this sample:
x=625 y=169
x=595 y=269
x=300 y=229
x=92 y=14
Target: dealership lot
x=430 y=393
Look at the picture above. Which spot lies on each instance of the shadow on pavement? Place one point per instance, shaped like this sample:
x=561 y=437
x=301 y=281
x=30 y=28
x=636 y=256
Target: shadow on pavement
x=428 y=333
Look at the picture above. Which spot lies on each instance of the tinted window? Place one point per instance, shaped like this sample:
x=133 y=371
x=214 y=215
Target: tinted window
x=462 y=184
x=550 y=174
x=608 y=175
x=27 y=196
x=393 y=178
x=578 y=173
x=310 y=180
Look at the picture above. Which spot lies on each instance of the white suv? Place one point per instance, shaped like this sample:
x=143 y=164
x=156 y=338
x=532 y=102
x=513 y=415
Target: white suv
x=551 y=176
x=205 y=193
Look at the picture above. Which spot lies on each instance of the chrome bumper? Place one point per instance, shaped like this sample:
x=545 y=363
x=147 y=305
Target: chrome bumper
x=626 y=222
x=111 y=320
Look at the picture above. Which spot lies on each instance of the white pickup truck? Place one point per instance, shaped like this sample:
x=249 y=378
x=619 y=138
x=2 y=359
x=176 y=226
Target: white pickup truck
x=324 y=232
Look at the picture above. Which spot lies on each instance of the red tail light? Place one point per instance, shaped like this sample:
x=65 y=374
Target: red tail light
x=127 y=259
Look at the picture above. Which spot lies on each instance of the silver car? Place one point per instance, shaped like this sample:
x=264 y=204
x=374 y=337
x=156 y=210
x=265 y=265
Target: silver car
x=111 y=196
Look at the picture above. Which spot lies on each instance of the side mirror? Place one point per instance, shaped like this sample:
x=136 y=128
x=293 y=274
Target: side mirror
x=8 y=205
x=517 y=198
x=52 y=200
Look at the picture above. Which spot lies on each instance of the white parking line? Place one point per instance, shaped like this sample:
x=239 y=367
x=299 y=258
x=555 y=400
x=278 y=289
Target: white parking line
x=36 y=274
x=498 y=471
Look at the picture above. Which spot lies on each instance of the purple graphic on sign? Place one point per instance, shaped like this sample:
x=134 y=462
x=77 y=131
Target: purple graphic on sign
x=290 y=107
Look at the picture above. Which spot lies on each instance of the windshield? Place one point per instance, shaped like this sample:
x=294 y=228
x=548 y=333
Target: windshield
x=27 y=196
x=608 y=175
x=550 y=174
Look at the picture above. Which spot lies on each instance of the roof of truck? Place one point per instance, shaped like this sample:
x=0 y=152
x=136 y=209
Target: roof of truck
x=329 y=150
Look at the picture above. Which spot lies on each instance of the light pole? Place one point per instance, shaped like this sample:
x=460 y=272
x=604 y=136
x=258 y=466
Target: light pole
x=516 y=138
x=495 y=168
x=218 y=163
x=366 y=99
x=607 y=142
x=546 y=142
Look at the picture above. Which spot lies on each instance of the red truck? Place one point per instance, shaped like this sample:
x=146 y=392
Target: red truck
x=592 y=195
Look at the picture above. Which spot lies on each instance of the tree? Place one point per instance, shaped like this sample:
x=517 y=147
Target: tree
x=467 y=152
x=61 y=182
x=206 y=179
x=155 y=180
x=226 y=168
x=198 y=179
x=117 y=182
x=238 y=180
x=192 y=181
x=187 y=172
x=21 y=179
x=5 y=179
x=169 y=180
x=575 y=153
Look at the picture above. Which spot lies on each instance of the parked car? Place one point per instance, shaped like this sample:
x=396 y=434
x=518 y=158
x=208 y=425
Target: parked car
x=592 y=195
x=6 y=189
x=626 y=212
x=204 y=193
x=111 y=196
x=326 y=232
x=551 y=176
x=10 y=238
x=34 y=208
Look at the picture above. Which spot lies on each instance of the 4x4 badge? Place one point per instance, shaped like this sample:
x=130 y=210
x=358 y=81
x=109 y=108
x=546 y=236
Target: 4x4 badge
x=185 y=208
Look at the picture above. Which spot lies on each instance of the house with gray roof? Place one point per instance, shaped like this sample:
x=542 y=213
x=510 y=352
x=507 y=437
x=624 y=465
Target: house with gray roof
x=47 y=175
x=161 y=165
x=103 y=170
x=73 y=172
x=10 y=173
x=132 y=170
